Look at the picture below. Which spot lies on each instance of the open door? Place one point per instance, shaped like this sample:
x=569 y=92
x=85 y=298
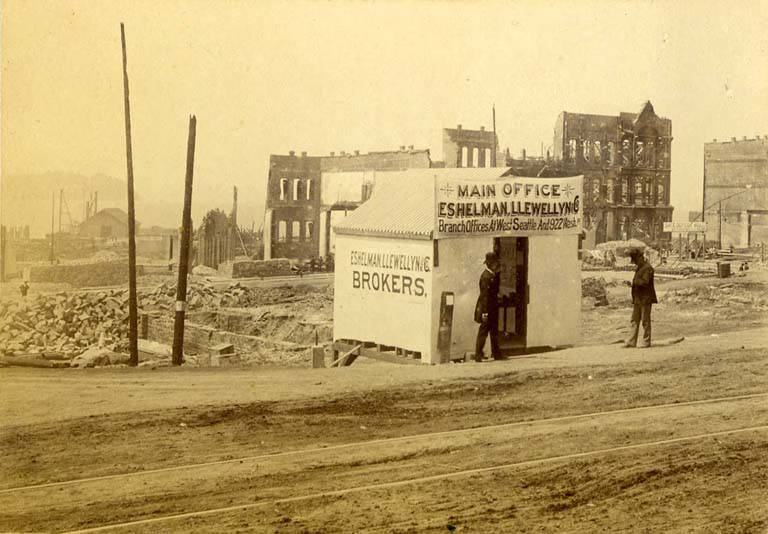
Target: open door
x=513 y=291
x=554 y=295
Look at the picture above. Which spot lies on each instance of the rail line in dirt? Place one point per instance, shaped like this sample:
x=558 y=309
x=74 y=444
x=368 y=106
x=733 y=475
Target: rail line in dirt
x=416 y=480
x=366 y=443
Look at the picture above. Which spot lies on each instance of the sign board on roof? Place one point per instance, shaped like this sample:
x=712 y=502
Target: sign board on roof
x=512 y=206
x=685 y=227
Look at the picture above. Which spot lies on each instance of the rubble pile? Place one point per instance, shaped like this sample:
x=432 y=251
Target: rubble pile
x=246 y=268
x=91 y=328
x=67 y=324
x=595 y=288
x=724 y=295
x=621 y=248
x=203 y=296
x=100 y=256
x=598 y=258
x=93 y=274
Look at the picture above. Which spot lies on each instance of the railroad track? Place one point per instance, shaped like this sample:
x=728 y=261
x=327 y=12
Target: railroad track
x=383 y=464
x=428 y=435
x=414 y=480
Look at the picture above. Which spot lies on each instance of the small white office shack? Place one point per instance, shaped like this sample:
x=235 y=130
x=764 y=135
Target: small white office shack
x=409 y=260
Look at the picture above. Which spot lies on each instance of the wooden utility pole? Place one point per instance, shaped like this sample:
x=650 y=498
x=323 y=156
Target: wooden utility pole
x=61 y=201
x=720 y=225
x=495 y=141
x=186 y=238
x=53 y=218
x=133 y=319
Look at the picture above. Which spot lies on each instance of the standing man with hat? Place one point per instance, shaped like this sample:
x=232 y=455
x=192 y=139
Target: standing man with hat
x=643 y=296
x=487 y=308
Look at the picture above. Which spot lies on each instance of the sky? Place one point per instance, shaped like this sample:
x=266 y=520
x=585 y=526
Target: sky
x=267 y=77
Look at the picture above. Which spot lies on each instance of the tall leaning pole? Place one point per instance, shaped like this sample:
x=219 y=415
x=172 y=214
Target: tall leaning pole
x=133 y=329
x=186 y=238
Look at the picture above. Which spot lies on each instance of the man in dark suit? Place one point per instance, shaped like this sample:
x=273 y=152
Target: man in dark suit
x=487 y=308
x=643 y=296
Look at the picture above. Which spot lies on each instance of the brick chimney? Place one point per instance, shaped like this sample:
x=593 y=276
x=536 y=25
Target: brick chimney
x=357 y=152
x=303 y=154
x=291 y=153
x=333 y=153
x=410 y=147
x=482 y=128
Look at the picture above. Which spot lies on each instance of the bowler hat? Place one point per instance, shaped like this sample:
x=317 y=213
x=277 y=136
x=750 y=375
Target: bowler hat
x=490 y=257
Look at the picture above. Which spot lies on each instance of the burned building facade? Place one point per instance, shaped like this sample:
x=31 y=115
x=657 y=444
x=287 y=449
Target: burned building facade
x=735 y=201
x=469 y=148
x=625 y=160
x=307 y=194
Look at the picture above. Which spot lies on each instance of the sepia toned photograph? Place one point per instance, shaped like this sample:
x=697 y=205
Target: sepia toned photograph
x=384 y=266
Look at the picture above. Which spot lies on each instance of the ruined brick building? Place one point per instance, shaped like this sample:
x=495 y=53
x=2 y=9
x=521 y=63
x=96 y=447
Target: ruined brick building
x=469 y=148
x=625 y=160
x=735 y=198
x=307 y=194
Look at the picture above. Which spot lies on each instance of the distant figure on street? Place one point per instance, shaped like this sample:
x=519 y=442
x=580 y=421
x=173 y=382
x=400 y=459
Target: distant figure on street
x=643 y=296
x=487 y=308
x=23 y=289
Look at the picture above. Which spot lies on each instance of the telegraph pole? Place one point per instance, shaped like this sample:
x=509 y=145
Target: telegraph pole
x=186 y=237
x=61 y=200
x=720 y=225
x=133 y=320
x=495 y=140
x=53 y=218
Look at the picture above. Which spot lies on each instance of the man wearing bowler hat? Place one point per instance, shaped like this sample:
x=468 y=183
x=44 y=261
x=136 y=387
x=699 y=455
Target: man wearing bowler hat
x=487 y=308
x=643 y=296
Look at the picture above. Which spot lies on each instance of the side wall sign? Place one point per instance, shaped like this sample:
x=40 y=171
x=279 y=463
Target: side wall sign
x=509 y=206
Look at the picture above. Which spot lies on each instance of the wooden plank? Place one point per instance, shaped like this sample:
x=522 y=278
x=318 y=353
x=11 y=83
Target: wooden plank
x=389 y=357
x=341 y=346
x=342 y=360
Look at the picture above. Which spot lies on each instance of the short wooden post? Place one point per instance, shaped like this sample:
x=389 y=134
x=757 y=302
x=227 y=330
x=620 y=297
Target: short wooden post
x=144 y=326
x=318 y=356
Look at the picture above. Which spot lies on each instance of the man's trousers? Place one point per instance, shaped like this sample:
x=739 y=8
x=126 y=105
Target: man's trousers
x=641 y=313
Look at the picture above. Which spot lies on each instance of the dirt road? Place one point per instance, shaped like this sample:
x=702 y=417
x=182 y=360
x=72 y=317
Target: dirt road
x=672 y=468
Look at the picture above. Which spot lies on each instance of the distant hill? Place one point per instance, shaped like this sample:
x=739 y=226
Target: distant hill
x=25 y=199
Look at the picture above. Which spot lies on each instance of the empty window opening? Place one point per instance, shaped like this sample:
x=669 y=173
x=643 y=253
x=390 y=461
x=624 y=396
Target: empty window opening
x=308 y=234
x=296 y=188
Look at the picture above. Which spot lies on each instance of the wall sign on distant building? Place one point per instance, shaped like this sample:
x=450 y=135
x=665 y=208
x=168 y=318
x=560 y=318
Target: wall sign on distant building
x=512 y=206
x=685 y=227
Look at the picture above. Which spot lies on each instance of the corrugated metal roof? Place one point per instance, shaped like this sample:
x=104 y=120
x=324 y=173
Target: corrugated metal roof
x=403 y=203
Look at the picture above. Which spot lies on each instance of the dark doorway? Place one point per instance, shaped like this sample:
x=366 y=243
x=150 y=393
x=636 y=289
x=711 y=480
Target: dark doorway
x=513 y=290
